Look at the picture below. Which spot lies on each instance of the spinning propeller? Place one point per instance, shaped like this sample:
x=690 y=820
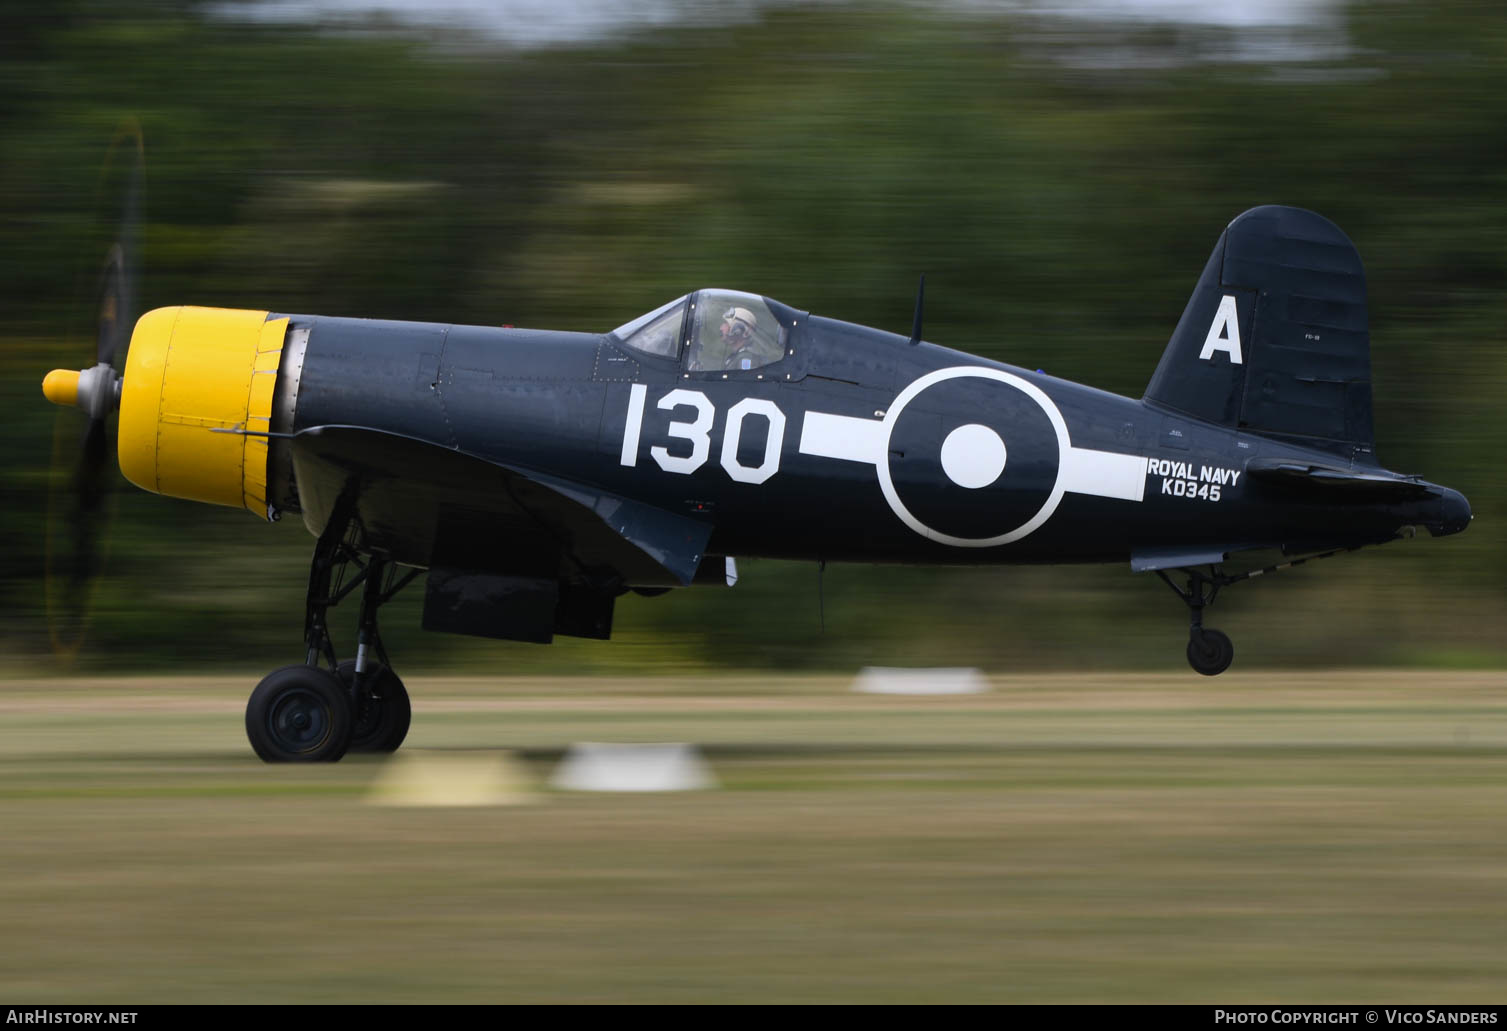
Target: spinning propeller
x=82 y=481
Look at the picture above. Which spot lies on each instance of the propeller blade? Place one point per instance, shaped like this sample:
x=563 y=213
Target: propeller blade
x=78 y=515
x=83 y=462
x=116 y=310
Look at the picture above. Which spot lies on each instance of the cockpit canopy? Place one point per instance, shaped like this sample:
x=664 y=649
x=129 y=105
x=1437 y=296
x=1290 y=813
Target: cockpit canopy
x=713 y=331
x=657 y=333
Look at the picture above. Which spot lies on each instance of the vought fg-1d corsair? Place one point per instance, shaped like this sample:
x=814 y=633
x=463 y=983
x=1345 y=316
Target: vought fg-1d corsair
x=535 y=476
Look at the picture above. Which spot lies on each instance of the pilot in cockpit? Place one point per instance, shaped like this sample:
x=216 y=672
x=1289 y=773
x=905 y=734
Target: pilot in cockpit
x=740 y=340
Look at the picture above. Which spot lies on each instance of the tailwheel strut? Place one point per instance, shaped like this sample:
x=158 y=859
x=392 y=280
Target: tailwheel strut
x=314 y=712
x=1210 y=651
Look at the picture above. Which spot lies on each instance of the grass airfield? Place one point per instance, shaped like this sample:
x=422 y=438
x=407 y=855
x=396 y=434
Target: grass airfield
x=1262 y=837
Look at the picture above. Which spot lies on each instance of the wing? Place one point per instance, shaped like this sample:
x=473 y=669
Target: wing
x=430 y=505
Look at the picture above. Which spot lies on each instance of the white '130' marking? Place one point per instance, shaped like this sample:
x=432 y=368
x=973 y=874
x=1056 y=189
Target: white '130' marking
x=698 y=432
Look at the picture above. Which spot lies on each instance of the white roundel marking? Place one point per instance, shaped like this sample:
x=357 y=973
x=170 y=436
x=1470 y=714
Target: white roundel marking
x=973 y=456
x=1035 y=393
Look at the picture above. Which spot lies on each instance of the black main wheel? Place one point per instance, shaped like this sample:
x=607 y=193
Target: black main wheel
x=299 y=714
x=1209 y=652
x=384 y=714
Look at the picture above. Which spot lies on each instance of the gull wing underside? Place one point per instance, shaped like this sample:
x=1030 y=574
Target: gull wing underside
x=426 y=504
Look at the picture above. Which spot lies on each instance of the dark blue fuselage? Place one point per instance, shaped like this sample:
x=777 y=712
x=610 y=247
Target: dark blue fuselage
x=855 y=446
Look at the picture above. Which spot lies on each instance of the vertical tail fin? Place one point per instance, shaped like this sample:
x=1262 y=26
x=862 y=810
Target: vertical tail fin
x=1275 y=338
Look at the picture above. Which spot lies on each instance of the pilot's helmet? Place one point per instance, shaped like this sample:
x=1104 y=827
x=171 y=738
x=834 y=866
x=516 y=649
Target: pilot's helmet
x=739 y=324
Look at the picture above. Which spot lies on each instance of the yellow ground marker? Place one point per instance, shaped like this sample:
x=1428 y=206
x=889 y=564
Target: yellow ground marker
x=428 y=778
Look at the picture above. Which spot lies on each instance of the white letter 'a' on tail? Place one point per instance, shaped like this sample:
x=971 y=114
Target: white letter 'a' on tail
x=1224 y=332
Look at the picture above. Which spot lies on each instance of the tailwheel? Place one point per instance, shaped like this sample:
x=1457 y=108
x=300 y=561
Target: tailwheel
x=299 y=714
x=383 y=712
x=1209 y=651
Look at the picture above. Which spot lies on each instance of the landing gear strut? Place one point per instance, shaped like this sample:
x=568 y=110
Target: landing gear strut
x=384 y=714
x=312 y=714
x=1209 y=651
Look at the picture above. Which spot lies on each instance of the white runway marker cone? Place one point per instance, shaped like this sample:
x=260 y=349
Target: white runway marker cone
x=591 y=766
x=891 y=680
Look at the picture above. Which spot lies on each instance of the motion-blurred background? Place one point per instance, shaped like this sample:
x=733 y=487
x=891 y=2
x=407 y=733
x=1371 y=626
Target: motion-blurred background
x=1060 y=175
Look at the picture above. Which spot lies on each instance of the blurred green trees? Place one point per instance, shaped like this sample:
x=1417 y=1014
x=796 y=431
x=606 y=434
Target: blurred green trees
x=1060 y=182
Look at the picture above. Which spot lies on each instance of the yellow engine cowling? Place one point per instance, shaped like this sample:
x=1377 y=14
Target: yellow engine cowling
x=195 y=402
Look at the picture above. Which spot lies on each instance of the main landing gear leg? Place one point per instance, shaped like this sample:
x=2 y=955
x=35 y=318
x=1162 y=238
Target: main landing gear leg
x=1209 y=651
x=381 y=702
x=307 y=713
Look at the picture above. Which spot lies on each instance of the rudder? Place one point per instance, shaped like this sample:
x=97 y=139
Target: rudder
x=1275 y=339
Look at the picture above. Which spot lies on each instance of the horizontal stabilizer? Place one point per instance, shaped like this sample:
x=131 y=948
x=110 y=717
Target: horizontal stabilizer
x=1376 y=481
x=1149 y=560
